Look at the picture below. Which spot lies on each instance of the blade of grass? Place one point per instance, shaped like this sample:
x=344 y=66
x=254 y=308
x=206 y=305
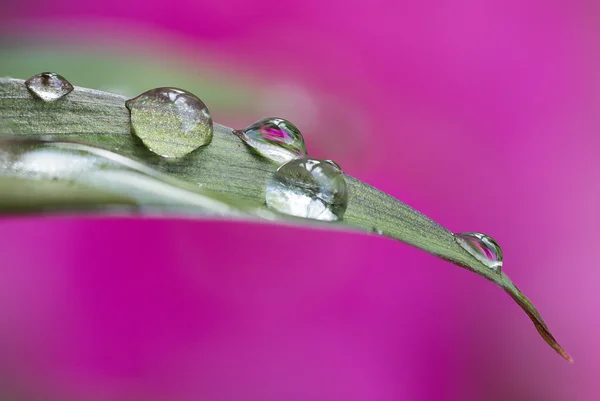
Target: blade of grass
x=226 y=172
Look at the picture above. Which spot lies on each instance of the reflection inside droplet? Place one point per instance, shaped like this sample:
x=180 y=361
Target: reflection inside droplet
x=274 y=138
x=483 y=247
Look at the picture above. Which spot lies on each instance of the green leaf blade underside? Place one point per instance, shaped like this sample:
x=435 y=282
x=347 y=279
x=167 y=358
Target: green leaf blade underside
x=225 y=178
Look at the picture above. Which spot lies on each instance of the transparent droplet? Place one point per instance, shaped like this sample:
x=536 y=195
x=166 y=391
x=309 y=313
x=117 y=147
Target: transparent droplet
x=171 y=122
x=483 y=247
x=49 y=86
x=274 y=138
x=310 y=188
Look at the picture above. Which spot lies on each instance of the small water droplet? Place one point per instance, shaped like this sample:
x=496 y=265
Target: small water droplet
x=483 y=247
x=310 y=188
x=377 y=230
x=49 y=86
x=171 y=122
x=274 y=138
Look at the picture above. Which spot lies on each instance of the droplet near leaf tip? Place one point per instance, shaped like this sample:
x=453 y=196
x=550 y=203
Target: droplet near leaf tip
x=483 y=247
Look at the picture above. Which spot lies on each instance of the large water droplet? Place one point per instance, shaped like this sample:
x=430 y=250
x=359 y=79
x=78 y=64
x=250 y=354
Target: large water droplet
x=310 y=188
x=274 y=138
x=49 y=86
x=483 y=247
x=171 y=122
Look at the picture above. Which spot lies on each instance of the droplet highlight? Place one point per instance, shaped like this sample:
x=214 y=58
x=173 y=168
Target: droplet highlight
x=274 y=138
x=483 y=247
x=48 y=86
x=171 y=122
x=309 y=188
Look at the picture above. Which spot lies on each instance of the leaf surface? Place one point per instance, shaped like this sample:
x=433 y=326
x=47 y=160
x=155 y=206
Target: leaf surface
x=78 y=154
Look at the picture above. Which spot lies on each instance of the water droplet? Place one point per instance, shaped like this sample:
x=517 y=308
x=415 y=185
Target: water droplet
x=483 y=247
x=171 y=122
x=274 y=138
x=49 y=86
x=310 y=188
x=377 y=230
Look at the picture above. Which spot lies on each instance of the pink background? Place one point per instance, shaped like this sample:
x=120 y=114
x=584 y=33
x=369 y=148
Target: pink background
x=482 y=114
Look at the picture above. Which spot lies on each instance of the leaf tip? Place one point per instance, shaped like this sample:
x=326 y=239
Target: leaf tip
x=554 y=344
x=549 y=338
x=536 y=318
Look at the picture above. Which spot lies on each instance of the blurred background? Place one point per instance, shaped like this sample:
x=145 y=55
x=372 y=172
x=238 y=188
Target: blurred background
x=481 y=114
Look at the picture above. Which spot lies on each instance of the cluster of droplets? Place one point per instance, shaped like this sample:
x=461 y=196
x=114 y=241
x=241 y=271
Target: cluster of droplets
x=301 y=186
x=173 y=123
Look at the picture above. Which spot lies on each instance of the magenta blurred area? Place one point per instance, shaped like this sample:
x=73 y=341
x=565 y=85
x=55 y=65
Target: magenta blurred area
x=481 y=114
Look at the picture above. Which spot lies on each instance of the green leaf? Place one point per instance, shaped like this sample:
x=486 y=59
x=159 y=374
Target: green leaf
x=110 y=169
